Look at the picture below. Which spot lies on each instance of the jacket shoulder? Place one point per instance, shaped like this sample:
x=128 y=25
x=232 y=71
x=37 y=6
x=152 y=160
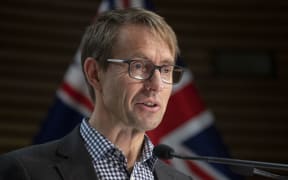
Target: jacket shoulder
x=16 y=164
x=65 y=157
x=40 y=151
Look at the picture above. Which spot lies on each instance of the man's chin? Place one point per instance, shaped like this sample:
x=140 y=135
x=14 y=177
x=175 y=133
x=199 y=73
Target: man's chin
x=151 y=125
x=148 y=121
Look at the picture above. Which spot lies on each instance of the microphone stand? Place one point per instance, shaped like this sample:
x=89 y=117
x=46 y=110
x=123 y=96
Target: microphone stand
x=236 y=162
x=238 y=166
x=250 y=171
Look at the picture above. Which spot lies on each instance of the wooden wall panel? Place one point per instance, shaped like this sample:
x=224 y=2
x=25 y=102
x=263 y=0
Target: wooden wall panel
x=39 y=39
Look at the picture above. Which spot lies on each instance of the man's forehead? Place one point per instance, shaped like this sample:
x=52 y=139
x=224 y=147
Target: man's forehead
x=141 y=42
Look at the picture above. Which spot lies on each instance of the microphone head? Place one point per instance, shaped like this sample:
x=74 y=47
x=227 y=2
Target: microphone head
x=163 y=151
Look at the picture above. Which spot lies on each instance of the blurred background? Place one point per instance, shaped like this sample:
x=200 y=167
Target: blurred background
x=237 y=51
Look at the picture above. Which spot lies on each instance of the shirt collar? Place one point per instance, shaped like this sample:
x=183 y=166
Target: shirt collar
x=100 y=147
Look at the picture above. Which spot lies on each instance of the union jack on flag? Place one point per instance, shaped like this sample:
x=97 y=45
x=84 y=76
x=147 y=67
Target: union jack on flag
x=187 y=125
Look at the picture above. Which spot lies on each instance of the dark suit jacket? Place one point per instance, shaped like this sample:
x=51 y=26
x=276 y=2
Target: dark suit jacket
x=64 y=159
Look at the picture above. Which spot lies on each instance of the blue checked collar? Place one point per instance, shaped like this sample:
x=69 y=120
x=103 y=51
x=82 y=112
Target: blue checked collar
x=101 y=148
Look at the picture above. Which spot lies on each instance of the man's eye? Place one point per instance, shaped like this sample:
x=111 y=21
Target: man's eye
x=166 y=69
x=138 y=65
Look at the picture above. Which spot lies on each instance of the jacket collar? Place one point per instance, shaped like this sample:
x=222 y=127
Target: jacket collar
x=76 y=162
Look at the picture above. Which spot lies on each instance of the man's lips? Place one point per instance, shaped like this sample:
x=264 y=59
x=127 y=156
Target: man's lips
x=150 y=105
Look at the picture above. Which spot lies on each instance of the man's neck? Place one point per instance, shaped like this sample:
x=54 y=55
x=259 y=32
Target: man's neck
x=128 y=140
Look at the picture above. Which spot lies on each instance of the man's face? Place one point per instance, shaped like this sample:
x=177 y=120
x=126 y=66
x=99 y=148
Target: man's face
x=138 y=104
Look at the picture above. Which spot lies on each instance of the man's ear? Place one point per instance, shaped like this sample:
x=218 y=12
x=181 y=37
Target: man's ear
x=92 y=70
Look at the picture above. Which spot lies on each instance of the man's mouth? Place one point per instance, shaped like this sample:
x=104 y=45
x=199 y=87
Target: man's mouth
x=150 y=104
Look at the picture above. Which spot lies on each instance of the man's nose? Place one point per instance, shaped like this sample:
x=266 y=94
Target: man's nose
x=154 y=83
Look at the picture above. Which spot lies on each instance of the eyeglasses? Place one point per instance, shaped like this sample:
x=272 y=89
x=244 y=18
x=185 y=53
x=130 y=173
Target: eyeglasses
x=144 y=69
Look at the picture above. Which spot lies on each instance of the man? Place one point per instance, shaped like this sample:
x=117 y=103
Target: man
x=128 y=59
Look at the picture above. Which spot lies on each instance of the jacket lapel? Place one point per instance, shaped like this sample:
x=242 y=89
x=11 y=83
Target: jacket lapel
x=75 y=162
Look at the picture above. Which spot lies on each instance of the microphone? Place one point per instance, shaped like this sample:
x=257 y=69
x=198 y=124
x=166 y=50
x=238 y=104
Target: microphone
x=243 y=167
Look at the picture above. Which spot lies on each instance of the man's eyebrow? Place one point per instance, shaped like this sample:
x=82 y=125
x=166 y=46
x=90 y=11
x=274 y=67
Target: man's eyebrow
x=140 y=56
x=168 y=61
x=164 y=61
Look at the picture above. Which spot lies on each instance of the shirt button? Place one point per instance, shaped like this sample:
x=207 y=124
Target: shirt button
x=132 y=177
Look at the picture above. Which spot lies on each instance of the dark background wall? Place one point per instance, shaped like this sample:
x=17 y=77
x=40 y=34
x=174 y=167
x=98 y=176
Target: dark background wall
x=38 y=40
